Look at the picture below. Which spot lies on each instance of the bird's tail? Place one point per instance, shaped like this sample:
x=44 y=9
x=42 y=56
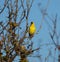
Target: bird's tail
x=31 y=35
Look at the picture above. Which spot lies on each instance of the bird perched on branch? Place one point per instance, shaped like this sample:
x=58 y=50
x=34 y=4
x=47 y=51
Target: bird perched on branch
x=32 y=29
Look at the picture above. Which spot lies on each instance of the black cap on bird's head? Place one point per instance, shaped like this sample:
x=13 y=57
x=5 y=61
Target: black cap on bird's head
x=31 y=22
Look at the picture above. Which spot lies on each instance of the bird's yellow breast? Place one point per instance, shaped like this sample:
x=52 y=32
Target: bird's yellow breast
x=32 y=29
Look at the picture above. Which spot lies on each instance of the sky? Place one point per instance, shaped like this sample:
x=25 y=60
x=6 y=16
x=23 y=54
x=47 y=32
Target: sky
x=42 y=37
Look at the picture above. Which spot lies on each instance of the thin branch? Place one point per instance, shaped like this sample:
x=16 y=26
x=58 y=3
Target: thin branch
x=6 y=2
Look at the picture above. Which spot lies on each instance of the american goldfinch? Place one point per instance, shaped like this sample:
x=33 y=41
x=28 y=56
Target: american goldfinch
x=32 y=29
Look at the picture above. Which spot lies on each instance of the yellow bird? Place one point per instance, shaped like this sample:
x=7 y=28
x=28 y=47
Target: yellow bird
x=32 y=29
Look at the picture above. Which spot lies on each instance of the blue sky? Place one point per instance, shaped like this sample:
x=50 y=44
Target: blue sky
x=43 y=36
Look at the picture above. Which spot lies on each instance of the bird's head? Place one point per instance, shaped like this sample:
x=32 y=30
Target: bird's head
x=32 y=23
